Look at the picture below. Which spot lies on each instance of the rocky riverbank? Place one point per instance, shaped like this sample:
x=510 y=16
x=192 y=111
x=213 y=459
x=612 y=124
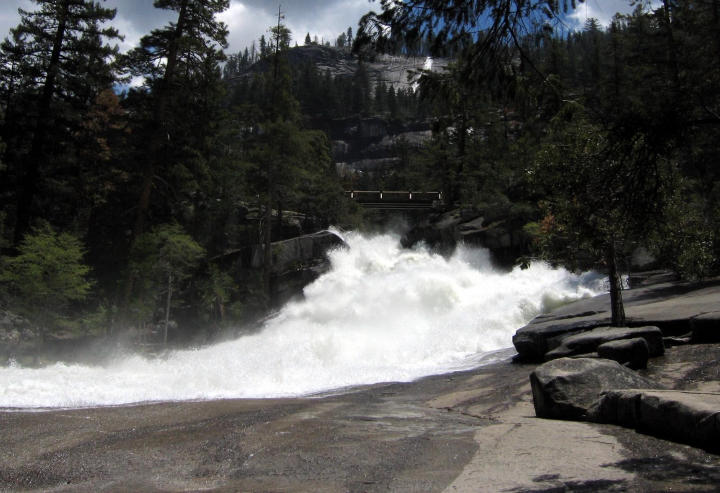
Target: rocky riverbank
x=469 y=431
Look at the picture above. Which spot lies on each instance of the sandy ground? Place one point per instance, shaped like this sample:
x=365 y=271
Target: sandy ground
x=468 y=431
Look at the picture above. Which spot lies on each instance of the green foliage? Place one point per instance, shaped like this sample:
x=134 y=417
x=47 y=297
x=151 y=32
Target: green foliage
x=484 y=28
x=165 y=251
x=47 y=275
x=216 y=292
x=162 y=260
x=687 y=239
x=598 y=192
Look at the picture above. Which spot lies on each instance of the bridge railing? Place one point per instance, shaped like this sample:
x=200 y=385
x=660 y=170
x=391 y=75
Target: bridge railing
x=380 y=199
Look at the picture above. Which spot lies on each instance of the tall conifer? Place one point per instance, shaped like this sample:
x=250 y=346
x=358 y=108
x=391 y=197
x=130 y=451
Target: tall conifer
x=54 y=64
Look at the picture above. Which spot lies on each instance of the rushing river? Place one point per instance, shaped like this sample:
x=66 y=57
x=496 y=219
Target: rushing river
x=382 y=313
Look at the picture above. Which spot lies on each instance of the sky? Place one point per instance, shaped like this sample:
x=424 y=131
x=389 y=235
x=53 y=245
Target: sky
x=247 y=20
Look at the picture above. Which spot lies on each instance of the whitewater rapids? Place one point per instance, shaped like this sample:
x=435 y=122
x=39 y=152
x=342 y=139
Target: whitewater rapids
x=382 y=313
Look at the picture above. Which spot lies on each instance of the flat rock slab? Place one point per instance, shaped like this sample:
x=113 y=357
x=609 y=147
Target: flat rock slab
x=469 y=432
x=588 y=341
x=668 y=305
x=566 y=388
x=685 y=417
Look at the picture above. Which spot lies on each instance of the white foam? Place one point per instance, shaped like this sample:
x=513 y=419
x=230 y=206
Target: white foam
x=381 y=313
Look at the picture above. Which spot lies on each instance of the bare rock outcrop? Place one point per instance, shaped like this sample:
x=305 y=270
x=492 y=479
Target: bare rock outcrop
x=676 y=308
x=588 y=342
x=566 y=388
x=686 y=417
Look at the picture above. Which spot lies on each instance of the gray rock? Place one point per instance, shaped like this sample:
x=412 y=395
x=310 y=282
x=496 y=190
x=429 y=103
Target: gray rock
x=566 y=388
x=339 y=148
x=706 y=328
x=295 y=253
x=589 y=341
x=534 y=340
x=299 y=261
x=15 y=329
x=667 y=305
x=630 y=352
x=686 y=417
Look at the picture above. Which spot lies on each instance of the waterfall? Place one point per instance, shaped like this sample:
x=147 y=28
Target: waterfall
x=382 y=313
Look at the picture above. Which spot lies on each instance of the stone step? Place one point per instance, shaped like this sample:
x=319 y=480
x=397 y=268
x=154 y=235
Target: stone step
x=682 y=416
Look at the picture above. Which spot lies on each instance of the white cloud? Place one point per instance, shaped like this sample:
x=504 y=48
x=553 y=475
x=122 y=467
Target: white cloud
x=329 y=22
x=136 y=81
x=9 y=17
x=245 y=25
x=602 y=10
x=126 y=29
x=249 y=19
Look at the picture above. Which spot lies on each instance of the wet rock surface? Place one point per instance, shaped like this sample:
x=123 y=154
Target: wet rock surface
x=469 y=431
x=501 y=235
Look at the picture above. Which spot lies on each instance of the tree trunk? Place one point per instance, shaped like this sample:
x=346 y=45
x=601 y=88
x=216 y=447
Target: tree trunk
x=158 y=142
x=616 y=61
x=616 y=302
x=160 y=137
x=167 y=308
x=267 y=240
x=670 y=39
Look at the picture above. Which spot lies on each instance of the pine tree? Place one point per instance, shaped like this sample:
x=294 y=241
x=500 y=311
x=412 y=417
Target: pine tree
x=186 y=45
x=263 y=46
x=290 y=167
x=178 y=92
x=54 y=65
x=163 y=259
x=341 y=41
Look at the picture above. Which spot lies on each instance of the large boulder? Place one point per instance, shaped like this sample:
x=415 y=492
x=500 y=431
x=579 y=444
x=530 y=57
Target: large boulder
x=299 y=252
x=439 y=232
x=299 y=261
x=588 y=342
x=706 y=328
x=630 y=352
x=566 y=388
x=686 y=417
x=537 y=338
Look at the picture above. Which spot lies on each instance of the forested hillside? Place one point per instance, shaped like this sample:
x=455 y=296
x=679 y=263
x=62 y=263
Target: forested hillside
x=128 y=178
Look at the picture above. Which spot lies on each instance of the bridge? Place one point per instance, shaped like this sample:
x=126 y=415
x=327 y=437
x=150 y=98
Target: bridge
x=394 y=200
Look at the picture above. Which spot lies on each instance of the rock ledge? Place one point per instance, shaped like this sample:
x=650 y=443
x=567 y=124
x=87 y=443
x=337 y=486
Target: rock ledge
x=686 y=417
